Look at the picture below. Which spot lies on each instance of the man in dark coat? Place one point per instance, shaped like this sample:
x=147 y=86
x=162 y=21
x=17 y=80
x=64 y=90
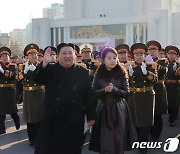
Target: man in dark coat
x=7 y=89
x=160 y=90
x=68 y=98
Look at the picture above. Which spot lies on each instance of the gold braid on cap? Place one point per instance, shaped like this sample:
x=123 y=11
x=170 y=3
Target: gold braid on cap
x=139 y=50
x=4 y=52
x=86 y=49
x=153 y=47
x=172 y=51
x=30 y=51
x=122 y=50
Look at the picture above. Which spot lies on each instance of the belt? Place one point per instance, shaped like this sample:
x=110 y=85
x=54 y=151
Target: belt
x=172 y=81
x=138 y=90
x=33 y=88
x=7 y=85
x=161 y=81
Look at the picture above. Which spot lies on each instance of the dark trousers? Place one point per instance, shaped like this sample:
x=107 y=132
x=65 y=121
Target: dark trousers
x=156 y=129
x=172 y=114
x=33 y=130
x=15 y=118
x=143 y=134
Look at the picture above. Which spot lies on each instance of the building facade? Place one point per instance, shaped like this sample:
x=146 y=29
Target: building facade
x=111 y=22
x=18 y=37
x=53 y=12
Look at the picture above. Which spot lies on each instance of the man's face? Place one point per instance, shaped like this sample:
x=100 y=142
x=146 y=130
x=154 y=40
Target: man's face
x=153 y=53
x=32 y=56
x=122 y=57
x=86 y=55
x=66 y=56
x=161 y=55
x=139 y=57
x=15 y=60
x=5 y=58
x=172 y=56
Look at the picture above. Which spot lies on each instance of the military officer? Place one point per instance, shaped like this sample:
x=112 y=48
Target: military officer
x=8 y=73
x=33 y=93
x=141 y=100
x=91 y=65
x=154 y=48
x=122 y=50
x=172 y=82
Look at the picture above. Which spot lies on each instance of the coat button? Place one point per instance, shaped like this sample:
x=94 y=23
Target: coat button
x=59 y=86
x=74 y=88
x=73 y=101
x=57 y=112
x=58 y=99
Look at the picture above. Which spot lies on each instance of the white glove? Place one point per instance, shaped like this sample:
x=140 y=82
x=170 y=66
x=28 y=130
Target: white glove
x=26 y=69
x=1 y=70
x=143 y=68
x=149 y=58
x=32 y=67
x=131 y=72
x=174 y=67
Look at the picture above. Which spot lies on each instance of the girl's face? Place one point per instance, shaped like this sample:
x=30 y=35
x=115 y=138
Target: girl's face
x=111 y=60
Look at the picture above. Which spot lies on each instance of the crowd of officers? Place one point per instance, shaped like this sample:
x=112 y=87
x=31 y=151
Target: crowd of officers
x=154 y=85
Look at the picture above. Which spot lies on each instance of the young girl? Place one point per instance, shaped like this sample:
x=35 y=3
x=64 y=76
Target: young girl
x=112 y=133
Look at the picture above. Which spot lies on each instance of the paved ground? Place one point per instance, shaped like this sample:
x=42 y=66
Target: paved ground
x=16 y=142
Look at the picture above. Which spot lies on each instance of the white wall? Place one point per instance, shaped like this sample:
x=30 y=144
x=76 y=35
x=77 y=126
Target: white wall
x=41 y=32
x=176 y=29
x=158 y=26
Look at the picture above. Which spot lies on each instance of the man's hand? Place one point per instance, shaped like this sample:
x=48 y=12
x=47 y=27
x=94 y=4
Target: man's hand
x=91 y=122
x=32 y=67
x=26 y=69
x=47 y=57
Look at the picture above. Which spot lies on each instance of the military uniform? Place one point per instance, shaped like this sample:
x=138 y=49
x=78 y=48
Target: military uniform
x=172 y=82
x=33 y=96
x=142 y=97
x=91 y=65
x=7 y=92
x=160 y=92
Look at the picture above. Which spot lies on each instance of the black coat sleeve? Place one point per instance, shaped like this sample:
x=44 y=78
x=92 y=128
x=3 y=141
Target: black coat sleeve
x=124 y=91
x=40 y=74
x=96 y=91
x=91 y=100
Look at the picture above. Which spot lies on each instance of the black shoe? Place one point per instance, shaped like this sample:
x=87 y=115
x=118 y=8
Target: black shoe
x=143 y=150
x=172 y=124
x=2 y=132
x=17 y=126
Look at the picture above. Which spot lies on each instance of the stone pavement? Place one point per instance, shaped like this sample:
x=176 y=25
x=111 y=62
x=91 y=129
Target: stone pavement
x=16 y=142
